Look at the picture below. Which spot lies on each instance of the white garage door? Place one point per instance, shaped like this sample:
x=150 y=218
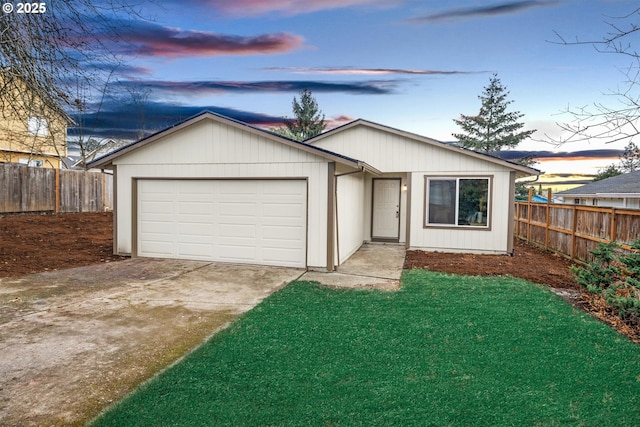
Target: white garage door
x=245 y=221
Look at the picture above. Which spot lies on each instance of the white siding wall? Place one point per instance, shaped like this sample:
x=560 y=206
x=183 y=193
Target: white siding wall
x=350 y=211
x=494 y=240
x=393 y=154
x=212 y=150
x=389 y=152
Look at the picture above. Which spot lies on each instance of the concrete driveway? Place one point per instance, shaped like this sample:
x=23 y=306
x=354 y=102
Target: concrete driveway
x=74 y=341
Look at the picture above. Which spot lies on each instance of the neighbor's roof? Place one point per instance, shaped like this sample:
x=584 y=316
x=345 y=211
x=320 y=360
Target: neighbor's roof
x=522 y=171
x=107 y=160
x=621 y=185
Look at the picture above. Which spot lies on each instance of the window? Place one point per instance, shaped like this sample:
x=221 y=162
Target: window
x=457 y=202
x=38 y=126
x=31 y=162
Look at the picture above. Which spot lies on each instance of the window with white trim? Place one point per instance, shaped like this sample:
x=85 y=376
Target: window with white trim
x=457 y=202
x=31 y=162
x=38 y=126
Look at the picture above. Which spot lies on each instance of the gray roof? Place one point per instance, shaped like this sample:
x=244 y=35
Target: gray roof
x=628 y=183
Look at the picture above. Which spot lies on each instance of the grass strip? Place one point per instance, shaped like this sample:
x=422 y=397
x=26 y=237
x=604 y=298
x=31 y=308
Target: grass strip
x=445 y=350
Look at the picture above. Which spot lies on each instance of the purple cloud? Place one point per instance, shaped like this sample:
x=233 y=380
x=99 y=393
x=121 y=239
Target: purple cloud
x=209 y=87
x=498 y=9
x=150 y=39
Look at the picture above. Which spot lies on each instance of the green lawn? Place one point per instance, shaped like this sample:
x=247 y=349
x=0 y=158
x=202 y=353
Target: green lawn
x=445 y=350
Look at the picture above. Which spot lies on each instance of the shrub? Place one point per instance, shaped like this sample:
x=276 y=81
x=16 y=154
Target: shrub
x=616 y=275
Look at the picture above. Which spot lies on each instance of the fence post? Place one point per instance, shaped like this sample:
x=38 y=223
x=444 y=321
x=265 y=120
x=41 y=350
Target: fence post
x=613 y=231
x=574 y=226
x=529 y=199
x=57 y=191
x=548 y=219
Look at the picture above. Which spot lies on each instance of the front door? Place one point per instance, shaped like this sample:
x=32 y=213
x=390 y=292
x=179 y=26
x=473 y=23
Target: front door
x=385 y=224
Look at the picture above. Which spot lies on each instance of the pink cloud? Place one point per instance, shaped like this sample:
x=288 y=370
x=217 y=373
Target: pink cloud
x=293 y=7
x=362 y=71
x=149 y=39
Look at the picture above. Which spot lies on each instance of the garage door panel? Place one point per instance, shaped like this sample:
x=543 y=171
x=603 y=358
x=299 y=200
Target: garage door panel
x=156 y=248
x=247 y=221
x=156 y=207
x=238 y=209
x=238 y=230
x=282 y=210
x=195 y=207
x=195 y=251
x=281 y=255
x=196 y=229
x=237 y=253
x=281 y=233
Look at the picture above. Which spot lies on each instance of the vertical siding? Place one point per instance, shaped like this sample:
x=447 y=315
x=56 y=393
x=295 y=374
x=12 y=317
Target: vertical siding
x=209 y=142
x=350 y=213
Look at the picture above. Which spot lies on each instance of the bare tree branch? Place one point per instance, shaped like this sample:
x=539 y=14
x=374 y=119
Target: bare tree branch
x=620 y=119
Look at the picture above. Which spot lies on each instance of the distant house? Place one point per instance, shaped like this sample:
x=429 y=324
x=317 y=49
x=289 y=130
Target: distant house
x=622 y=191
x=214 y=188
x=31 y=132
x=80 y=157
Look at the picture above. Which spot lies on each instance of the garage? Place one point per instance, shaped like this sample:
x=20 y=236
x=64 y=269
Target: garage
x=212 y=188
x=253 y=221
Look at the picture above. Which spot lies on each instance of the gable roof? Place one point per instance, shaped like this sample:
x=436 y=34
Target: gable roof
x=628 y=183
x=106 y=161
x=521 y=171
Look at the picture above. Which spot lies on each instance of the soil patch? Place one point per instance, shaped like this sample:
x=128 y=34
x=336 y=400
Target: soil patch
x=528 y=262
x=38 y=243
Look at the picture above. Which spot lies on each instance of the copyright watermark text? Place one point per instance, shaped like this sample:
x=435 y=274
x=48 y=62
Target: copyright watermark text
x=25 y=8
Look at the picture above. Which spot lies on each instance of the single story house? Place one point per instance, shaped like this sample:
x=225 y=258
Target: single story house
x=621 y=191
x=214 y=188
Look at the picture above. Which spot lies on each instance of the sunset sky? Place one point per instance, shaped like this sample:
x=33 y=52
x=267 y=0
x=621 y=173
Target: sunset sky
x=412 y=65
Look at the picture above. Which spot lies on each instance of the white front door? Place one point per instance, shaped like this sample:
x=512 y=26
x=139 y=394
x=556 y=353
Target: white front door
x=386 y=209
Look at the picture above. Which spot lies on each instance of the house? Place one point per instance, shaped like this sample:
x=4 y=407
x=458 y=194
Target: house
x=214 y=188
x=31 y=132
x=622 y=191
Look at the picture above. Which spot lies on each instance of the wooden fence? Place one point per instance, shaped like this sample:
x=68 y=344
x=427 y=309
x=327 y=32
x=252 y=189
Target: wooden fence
x=27 y=189
x=575 y=230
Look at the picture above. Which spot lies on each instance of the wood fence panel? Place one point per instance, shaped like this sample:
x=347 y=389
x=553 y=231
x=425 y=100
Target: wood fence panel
x=575 y=230
x=560 y=242
x=29 y=189
x=26 y=189
x=627 y=227
x=561 y=218
x=70 y=197
x=10 y=186
x=594 y=223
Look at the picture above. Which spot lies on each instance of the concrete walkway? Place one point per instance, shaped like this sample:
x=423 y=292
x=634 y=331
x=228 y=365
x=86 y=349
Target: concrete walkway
x=373 y=266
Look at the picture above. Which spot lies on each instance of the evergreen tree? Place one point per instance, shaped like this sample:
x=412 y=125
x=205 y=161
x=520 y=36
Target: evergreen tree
x=308 y=121
x=494 y=128
x=608 y=172
x=630 y=159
